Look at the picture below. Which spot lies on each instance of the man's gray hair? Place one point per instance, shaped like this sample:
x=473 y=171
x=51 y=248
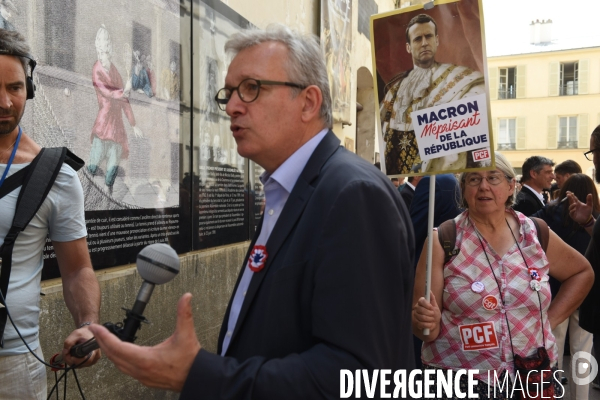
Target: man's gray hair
x=305 y=65
x=12 y=42
x=535 y=164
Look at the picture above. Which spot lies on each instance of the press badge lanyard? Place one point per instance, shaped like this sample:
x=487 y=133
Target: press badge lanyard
x=12 y=157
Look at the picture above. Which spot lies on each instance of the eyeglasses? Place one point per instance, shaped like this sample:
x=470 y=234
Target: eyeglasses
x=494 y=180
x=591 y=152
x=248 y=91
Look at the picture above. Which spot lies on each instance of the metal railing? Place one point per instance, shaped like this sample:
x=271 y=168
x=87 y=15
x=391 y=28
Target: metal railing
x=567 y=144
x=509 y=93
x=570 y=89
x=506 y=146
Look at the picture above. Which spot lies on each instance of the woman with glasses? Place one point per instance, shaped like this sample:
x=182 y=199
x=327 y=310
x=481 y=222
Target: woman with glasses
x=490 y=302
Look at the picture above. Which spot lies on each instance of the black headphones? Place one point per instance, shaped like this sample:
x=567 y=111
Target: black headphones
x=29 y=85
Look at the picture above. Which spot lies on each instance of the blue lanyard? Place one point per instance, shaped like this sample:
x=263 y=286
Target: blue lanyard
x=12 y=157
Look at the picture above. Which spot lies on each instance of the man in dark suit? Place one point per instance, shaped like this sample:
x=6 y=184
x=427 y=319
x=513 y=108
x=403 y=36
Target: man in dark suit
x=537 y=176
x=408 y=191
x=447 y=195
x=327 y=285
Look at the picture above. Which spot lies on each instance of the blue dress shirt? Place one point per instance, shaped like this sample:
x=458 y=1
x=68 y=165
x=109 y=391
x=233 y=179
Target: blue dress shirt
x=277 y=187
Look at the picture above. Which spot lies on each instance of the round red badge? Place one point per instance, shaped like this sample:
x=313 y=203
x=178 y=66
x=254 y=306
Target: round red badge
x=490 y=302
x=258 y=258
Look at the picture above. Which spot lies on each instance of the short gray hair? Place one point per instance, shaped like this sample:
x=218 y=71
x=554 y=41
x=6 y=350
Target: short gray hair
x=12 y=43
x=305 y=65
x=503 y=166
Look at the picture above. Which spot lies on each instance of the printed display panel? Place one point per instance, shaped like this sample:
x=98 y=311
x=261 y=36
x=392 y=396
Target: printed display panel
x=336 y=39
x=223 y=198
x=108 y=87
x=257 y=196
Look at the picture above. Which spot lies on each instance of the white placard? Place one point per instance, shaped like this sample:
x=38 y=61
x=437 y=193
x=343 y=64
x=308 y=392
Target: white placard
x=453 y=128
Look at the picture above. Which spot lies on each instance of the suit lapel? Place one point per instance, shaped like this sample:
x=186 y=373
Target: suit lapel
x=535 y=197
x=224 y=325
x=292 y=211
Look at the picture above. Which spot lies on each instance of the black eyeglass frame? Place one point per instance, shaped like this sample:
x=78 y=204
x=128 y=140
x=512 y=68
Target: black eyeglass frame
x=223 y=102
x=590 y=152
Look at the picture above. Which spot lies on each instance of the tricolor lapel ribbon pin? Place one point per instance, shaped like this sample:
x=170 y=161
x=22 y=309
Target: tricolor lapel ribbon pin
x=258 y=258
x=535 y=279
x=533 y=272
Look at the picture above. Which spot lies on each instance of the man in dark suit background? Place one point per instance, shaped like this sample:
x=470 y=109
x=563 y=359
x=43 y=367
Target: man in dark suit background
x=328 y=282
x=537 y=177
x=447 y=194
x=408 y=191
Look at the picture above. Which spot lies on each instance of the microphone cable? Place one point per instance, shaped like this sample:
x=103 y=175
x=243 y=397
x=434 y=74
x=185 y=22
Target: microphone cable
x=55 y=368
x=64 y=375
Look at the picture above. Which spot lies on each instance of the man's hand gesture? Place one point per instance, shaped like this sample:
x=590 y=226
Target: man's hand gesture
x=164 y=366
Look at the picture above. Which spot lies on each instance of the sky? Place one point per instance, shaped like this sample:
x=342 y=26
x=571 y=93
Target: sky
x=576 y=22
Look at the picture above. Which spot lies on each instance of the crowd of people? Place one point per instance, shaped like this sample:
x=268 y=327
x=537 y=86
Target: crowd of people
x=497 y=256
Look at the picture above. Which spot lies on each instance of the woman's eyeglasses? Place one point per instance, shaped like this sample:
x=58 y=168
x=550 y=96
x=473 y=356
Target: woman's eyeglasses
x=475 y=180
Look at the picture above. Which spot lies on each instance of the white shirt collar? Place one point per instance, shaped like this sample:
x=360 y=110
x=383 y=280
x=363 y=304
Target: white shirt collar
x=539 y=195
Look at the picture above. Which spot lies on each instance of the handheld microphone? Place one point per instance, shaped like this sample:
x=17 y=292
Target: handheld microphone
x=157 y=264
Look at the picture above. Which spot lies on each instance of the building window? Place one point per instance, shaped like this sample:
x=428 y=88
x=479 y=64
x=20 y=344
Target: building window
x=506 y=134
x=567 y=134
x=569 y=76
x=507 y=88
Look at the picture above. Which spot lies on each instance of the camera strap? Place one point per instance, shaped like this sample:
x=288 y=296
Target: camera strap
x=36 y=180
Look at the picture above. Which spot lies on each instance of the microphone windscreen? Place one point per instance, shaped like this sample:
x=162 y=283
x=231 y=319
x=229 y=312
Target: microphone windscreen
x=158 y=263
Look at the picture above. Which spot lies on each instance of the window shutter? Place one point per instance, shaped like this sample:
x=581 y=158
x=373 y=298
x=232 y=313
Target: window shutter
x=520 y=139
x=554 y=79
x=521 y=81
x=493 y=83
x=583 y=135
x=583 y=76
x=552 y=132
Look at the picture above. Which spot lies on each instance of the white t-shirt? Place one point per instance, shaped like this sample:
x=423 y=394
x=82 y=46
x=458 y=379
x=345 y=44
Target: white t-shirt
x=62 y=217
